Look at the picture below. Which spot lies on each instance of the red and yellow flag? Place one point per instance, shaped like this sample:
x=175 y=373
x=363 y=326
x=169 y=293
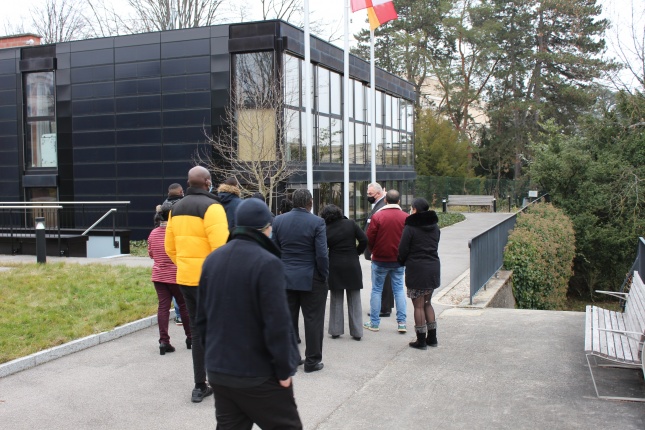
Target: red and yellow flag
x=378 y=11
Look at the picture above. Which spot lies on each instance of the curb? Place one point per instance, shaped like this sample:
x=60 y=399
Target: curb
x=41 y=357
x=437 y=299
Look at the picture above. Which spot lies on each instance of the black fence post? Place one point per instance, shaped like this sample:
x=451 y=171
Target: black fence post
x=41 y=245
x=509 y=203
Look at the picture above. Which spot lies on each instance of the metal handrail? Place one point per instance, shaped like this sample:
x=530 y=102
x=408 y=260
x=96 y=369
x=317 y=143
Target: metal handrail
x=65 y=203
x=497 y=255
x=31 y=207
x=99 y=220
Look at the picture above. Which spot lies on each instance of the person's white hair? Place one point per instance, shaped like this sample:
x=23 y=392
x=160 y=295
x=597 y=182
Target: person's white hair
x=376 y=186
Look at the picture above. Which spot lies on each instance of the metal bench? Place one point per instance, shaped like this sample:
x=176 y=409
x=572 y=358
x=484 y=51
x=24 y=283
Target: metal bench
x=470 y=200
x=617 y=337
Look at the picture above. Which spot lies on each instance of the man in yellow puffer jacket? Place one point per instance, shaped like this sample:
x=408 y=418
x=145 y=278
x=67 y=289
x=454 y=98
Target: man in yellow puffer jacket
x=196 y=227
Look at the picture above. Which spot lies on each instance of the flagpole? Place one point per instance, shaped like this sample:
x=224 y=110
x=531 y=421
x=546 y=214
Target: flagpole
x=372 y=101
x=307 y=129
x=346 y=107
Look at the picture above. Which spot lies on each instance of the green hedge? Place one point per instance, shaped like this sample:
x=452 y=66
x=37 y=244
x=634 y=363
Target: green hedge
x=540 y=253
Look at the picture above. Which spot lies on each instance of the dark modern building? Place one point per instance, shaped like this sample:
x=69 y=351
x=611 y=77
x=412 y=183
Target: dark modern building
x=121 y=118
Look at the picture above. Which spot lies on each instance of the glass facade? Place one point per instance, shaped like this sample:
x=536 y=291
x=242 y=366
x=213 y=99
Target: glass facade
x=40 y=120
x=393 y=119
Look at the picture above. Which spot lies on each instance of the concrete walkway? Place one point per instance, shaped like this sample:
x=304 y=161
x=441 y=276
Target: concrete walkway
x=494 y=368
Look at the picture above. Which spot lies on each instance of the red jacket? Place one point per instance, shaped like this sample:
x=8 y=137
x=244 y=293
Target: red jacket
x=384 y=233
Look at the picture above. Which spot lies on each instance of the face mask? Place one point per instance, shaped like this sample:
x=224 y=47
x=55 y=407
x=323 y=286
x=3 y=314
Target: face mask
x=210 y=188
x=371 y=199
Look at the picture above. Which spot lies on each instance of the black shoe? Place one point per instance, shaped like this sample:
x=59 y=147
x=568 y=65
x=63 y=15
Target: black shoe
x=189 y=343
x=356 y=338
x=301 y=362
x=165 y=347
x=335 y=336
x=299 y=341
x=199 y=394
x=316 y=367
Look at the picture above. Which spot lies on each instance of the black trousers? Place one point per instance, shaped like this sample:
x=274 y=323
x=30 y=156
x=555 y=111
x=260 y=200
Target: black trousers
x=387 y=297
x=199 y=369
x=313 y=305
x=269 y=405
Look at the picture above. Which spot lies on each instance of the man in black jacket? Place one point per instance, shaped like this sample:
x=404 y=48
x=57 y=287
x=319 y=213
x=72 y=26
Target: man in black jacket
x=251 y=350
x=376 y=196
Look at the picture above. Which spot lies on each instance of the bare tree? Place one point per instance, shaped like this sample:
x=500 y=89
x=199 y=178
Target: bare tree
x=628 y=43
x=158 y=15
x=253 y=146
x=60 y=21
x=290 y=11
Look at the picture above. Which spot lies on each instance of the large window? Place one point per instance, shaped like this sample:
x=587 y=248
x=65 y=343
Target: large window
x=40 y=120
x=255 y=105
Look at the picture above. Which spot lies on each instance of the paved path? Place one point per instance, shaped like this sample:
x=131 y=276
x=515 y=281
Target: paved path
x=494 y=368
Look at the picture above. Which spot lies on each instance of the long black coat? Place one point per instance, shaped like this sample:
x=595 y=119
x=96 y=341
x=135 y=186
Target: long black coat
x=418 y=251
x=344 y=267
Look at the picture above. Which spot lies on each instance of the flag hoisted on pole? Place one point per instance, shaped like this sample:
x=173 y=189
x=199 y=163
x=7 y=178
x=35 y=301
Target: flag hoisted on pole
x=378 y=12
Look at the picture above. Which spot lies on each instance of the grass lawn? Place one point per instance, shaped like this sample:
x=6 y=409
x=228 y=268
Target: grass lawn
x=45 y=305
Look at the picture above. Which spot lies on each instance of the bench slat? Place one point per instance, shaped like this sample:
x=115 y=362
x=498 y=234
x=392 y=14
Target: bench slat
x=588 y=328
x=616 y=338
x=624 y=341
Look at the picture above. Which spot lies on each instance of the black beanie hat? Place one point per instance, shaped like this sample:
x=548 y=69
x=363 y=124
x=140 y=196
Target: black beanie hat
x=253 y=213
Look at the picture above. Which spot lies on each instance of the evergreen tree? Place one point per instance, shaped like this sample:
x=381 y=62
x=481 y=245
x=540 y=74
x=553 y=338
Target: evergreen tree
x=597 y=177
x=440 y=150
x=552 y=56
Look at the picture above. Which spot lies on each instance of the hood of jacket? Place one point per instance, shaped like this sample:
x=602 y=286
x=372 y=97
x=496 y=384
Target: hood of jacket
x=231 y=189
x=422 y=219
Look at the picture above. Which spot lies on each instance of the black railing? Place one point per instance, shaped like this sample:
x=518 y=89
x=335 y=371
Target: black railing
x=487 y=251
x=639 y=264
x=62 y=219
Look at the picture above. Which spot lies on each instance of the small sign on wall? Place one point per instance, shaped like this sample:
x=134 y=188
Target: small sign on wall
x=533 y=193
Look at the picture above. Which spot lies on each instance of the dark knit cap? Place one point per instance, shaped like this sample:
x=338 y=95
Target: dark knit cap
x=253 y=213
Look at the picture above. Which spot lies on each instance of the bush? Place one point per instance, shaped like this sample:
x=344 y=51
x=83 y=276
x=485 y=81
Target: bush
x=540 y=253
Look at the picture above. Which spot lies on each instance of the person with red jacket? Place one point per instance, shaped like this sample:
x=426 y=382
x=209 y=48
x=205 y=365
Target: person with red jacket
x=383 y=236
x=164 y=278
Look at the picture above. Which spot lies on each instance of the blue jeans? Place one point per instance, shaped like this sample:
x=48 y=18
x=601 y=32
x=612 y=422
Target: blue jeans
x=379 y=273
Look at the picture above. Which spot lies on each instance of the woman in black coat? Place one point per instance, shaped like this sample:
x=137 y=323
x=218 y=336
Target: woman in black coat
x=418 y=252
x=346 y=241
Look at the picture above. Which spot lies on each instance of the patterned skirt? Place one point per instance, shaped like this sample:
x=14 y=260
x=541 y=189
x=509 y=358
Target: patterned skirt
x=415 y=294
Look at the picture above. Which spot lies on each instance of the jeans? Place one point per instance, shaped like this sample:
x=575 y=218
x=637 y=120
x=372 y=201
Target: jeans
x=378 y=278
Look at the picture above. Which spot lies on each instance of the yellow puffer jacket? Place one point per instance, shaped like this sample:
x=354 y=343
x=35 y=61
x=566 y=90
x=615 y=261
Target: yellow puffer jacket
x=196 y=227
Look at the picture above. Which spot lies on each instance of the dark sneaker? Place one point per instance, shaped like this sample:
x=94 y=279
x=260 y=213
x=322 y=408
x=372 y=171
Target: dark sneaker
x=198 y=395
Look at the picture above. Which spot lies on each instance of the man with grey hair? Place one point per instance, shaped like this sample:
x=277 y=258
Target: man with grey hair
x=302 y=239
x=376 y=197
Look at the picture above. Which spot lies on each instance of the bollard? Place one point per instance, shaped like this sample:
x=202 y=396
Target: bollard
x=509 y=203
x=41 y=246
x=494 y=205
x=444 y=206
